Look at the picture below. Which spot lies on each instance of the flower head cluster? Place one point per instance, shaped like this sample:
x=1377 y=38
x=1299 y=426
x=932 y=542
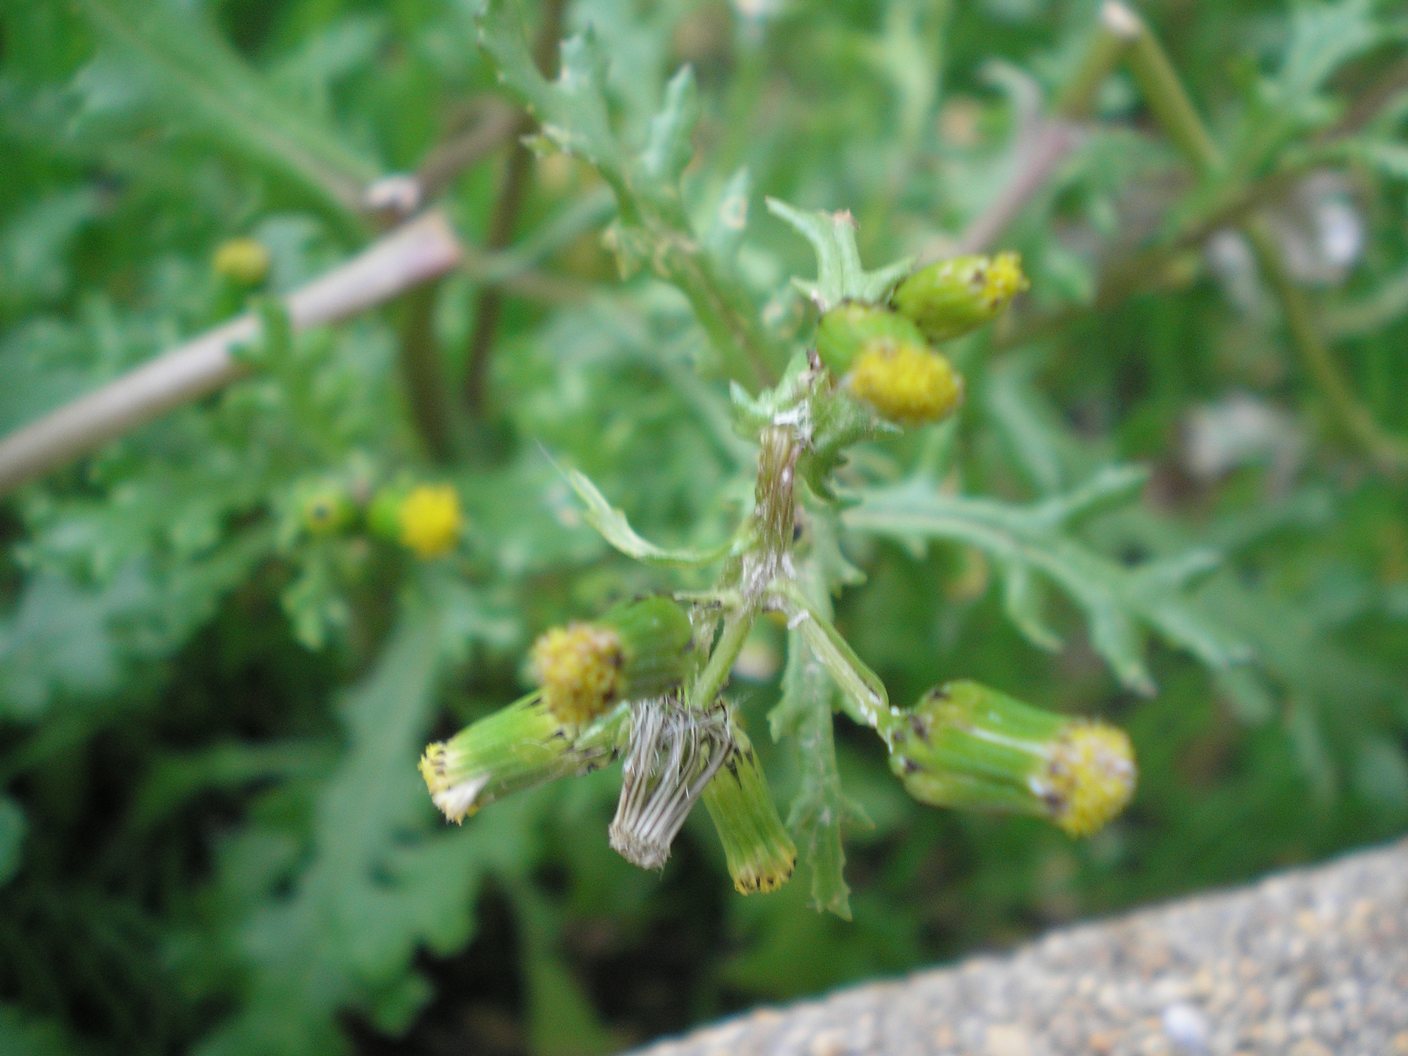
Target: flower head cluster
x=637 y=650
x=966 y=745
x=885 y=354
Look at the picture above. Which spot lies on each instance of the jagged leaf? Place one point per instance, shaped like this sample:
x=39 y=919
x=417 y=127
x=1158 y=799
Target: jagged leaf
x=1118 y=601
x=617 y=530
x=840 y=276
x=803 y=716
x=188 y=71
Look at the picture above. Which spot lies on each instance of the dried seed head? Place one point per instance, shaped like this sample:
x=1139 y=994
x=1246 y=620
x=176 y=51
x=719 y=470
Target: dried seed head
x=673 y=753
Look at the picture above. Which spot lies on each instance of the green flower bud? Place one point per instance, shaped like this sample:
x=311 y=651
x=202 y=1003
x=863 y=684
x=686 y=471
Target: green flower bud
x=673 y=754
x=516 y=747
x=952 y=297
x=965 y=745
x=636 y=650
x=760 y=854
x=243 y=261
x=384 y=513
x=326 y=511
x=853 y=327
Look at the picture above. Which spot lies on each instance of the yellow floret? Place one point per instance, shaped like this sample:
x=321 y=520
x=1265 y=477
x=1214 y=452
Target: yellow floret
x=579 y=668
x=431 y=520
x=1089 y=778
x=242 y=260
x=1003 y=280
x=906 y=383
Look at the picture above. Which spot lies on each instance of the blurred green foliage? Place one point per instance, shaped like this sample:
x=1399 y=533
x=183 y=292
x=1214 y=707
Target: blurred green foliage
x=212 y=836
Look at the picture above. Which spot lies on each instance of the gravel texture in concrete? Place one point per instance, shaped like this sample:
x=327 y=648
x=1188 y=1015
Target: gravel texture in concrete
x=1308 y=963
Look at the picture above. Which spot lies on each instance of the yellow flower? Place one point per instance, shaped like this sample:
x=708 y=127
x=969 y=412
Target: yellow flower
x=906 y=383
x=1088 y=778
x=579 y=668
x=967 y=745
x=431 y=520
x=242 y=260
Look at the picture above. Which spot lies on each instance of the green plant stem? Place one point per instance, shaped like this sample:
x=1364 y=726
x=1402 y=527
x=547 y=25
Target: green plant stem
x=513 y=192
x=1167 y=99
x=863 y=695
x=1174 y=110
x=1113 y=35
x=420 y=251
x=1051 y=142
x=422 y=373
x=737 y=624
x=1351 y=417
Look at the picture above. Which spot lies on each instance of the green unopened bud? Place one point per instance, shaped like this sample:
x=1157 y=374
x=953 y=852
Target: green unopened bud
x=674 y=752
x=965 y=745
x=760 y=854
x=515 y=748
x=636 y=650
x=242 y=260
x=326 y=510
x=952 y=297
x=853 y=327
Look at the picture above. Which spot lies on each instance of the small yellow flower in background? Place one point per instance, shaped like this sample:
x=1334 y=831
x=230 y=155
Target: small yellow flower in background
x=242 y=260
x=430 y=520
x=906 y=383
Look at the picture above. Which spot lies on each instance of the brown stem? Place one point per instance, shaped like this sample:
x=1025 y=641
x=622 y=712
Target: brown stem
x=512 y=193
x=422 y=373
x=1052 y=138
x=415 y=253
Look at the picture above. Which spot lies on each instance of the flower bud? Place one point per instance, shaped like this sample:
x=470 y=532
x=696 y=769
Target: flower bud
x=243 y=261
x=952 y=297
x=908 y=384
x=636 y=650
x=326 y=510
x=965 y=745
x=853 y=327
x=760 y=854
x=515 y=748
x=674 y=752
